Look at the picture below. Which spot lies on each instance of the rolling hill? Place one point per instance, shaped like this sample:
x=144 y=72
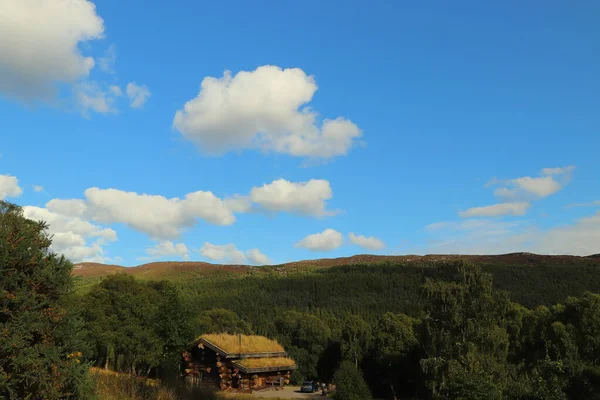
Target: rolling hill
x=178 y=270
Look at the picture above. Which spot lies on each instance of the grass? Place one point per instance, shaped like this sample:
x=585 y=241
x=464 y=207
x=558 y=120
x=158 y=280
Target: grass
x=248 y=344
x=266 y=362
x=115 y=386
x=118 y=386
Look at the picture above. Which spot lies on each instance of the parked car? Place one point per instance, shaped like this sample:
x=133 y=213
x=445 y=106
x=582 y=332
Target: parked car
x=309 y=387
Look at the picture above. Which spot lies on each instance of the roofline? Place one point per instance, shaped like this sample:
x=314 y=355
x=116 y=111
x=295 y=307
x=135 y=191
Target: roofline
x=225 y=354
x=247 y=370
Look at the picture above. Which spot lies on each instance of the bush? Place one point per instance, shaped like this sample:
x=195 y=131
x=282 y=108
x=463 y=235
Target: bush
x=350 y=384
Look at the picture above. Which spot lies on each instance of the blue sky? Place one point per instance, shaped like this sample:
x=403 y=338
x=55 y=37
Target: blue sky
x=468 y=127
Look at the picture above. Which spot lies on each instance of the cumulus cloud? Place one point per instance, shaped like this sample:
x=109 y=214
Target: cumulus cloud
x=230 y=254
x=78 y=239
x=138 y=94
x=47 y=51
x=38 y=188
x=518 y=193
x=155 y=215
x=551 y=181
x=305 y=198
x=226 y=253
x=254 y=256
x=238 y=204
x=371 y=242
x=327 y=240
x=167 y=248
x=518 y=208
x=541 y=187
x=164 y=218
x=263 y=109
x=9 y=187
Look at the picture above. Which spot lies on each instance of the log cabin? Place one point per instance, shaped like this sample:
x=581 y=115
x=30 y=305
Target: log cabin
x=237 y=362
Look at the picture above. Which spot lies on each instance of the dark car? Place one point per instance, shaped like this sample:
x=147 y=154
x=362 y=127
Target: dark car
x=309 y=387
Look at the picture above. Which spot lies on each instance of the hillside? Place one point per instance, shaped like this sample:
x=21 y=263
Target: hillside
x=180 y=270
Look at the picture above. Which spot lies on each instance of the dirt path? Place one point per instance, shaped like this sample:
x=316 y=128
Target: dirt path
x=289 y=392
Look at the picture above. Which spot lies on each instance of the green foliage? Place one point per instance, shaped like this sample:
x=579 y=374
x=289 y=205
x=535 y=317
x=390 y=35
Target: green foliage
x=39 y=341
x=463 y=334
x=356 y=337
x=350 y=384
x=136 y=326
x=220 y=320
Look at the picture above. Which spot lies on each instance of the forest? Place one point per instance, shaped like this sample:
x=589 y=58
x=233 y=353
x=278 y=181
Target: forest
x=453 y=330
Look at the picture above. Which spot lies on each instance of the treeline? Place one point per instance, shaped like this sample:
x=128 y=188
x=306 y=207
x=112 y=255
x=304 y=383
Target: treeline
x=375 y=289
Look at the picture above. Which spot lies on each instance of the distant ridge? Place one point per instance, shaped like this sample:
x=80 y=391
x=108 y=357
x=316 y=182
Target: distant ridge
x=183 y=269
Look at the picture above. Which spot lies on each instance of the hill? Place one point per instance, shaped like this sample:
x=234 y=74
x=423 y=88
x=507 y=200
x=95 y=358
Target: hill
x=181 y=270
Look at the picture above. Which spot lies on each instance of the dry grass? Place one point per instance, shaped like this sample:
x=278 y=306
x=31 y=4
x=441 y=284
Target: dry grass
x=116 y=386
x=266 y=362
x=249 y=343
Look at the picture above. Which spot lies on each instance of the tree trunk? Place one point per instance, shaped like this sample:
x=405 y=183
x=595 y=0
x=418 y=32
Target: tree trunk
x=393 y=392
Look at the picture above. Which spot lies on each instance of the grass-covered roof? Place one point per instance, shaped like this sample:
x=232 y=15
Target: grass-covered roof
x=266 y=362
x=242 y=344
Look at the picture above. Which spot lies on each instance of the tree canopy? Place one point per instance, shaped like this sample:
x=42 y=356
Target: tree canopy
x=40 y=347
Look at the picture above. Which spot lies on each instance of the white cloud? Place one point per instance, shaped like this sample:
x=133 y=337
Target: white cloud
x=90 y=96
x=327 y=240
x=156 y=215
x=226 y=253
x=9 y=187
x=528 y=188
x=541 y=187
x=107 y=63
x=70 y=208
x=138 y=94
x=115 y=90
x=265 y=109
x=164 y=218
x=38 y=188
x=230 y=254
x=78 y=239
x=254 y=256
x=49 y=34
x=371 y=242
x=517 y=208
x=506 y=193
x=306 y=198
x=168 y=248
x=238 y=204
x=581 y=237
x=558 y=170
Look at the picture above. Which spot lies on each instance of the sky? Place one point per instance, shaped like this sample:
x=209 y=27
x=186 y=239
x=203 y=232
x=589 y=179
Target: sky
x=265 y=132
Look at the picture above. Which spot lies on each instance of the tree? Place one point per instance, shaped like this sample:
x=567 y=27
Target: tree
x=173 y=325
x=220 y=320
x=464 y=335
x=120 y=315
x=396 y=350
x=39 y=354
x=356 y=335
x=350 y=384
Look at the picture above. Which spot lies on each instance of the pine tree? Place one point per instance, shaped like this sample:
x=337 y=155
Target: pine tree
x=39 y=358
